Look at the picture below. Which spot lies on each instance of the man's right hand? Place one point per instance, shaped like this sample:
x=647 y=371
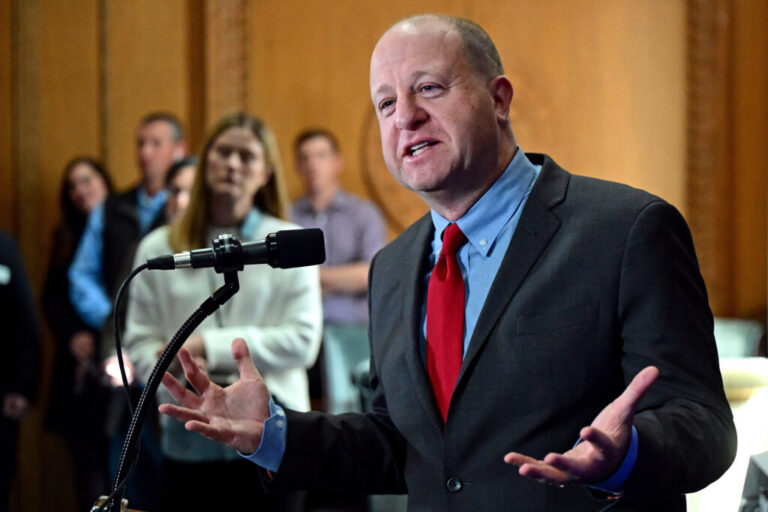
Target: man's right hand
x=234 y=415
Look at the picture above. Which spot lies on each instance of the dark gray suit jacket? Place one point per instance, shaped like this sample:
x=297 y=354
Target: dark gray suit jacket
x=599 y=281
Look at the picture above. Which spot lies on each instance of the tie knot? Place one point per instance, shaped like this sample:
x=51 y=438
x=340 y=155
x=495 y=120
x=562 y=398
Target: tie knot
x=453 y=238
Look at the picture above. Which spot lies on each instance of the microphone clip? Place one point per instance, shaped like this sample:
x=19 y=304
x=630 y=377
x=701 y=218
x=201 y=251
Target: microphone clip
x=227 y=254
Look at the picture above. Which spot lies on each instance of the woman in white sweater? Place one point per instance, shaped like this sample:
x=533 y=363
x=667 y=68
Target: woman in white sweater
x=238 y=189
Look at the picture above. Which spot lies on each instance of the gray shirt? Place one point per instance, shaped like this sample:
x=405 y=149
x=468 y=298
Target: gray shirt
x=354 y=231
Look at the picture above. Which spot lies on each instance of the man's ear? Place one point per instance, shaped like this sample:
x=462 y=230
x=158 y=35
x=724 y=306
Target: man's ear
x=502 y=92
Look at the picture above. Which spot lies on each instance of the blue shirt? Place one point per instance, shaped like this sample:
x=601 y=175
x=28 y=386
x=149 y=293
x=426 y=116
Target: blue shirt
x=87 y=289
x=488 y=225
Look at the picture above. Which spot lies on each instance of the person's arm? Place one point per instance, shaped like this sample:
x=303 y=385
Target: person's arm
x=290 y=340
x=349 y=278
x=349 y=452
x=371 y=233
x=686 y=436
x=87 y=290
x=22 y=336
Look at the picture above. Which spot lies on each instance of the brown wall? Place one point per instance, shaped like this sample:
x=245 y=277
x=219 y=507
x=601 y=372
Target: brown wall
x=605 y=86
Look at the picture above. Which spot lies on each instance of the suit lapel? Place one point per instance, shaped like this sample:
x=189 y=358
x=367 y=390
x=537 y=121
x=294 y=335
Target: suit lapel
x=413 y=279
x=536 y=228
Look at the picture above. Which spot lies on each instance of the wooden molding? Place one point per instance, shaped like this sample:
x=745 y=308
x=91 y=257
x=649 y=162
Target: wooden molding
x=225 y=58
x=709 y=198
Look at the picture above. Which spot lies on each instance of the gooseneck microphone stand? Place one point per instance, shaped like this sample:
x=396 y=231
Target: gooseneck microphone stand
x=227 y=251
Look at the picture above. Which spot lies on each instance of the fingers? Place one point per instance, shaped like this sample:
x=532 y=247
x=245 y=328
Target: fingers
x=631 y=396
x=243 y=358
x=193 y=374
x=180 y=393
x=537 y=469
x=518 y=459
x=183 y=414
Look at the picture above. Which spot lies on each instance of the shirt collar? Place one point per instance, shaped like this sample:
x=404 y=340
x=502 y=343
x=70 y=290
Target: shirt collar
x=153 y=202
x=485 y=219
x=247 y=230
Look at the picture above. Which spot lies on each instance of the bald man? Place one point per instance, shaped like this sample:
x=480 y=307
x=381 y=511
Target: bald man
x=539 y=340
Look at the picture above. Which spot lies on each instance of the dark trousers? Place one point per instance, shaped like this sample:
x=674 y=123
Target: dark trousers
x=8 y=430
x=231 y=485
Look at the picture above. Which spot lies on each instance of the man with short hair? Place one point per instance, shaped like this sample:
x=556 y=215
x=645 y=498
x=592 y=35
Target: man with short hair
x=354 y=232
x=115 y=227
x=504 y=324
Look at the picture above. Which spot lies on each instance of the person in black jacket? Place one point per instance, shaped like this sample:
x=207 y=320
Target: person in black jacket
x=78 y=397
x=20 y=362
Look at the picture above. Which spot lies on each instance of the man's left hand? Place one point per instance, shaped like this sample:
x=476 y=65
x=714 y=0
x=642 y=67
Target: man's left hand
x=603 y=444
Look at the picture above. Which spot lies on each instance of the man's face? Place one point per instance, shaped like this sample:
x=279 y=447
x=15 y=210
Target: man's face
x=156 y=150
x=318 y=164
x=439 y=130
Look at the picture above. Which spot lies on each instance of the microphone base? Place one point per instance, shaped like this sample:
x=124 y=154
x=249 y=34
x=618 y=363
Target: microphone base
x=99 y=502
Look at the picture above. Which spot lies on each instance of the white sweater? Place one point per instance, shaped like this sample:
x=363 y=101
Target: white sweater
x=277 y=311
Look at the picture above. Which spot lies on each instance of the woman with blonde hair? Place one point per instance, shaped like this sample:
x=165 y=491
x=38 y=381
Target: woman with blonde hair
x=239 y=189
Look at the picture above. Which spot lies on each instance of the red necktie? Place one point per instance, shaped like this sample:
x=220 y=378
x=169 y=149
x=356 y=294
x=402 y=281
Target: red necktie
x=445 y=319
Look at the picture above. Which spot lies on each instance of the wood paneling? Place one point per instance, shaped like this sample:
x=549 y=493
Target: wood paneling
x=7 y=181
x=146 y=67
x=638 y=92
x=226 y=55
x=709 y=146
x=599 y=85
x=727 y=146
x=749 y=98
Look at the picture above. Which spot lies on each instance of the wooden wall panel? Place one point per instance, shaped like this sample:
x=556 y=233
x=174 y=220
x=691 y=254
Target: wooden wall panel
x=7 y=181
x=312 y=70
x=146 y=68
x=749 y=99
x=599 y=85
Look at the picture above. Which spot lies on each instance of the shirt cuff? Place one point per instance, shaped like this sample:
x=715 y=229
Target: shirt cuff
x=614 y=484
x=270 y=452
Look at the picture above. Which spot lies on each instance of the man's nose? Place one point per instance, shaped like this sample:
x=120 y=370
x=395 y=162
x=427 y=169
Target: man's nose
x=409 y=115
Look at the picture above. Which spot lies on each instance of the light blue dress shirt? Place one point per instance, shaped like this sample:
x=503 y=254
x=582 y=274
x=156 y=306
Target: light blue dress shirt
x=87 y=289
x=488 y=225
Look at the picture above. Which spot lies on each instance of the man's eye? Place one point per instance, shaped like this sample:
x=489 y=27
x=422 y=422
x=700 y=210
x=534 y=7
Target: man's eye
x=429 y=88
x=386 y=104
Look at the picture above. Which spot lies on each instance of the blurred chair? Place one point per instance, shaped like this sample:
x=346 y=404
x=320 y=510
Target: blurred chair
x=344 y=347
x=738 y=337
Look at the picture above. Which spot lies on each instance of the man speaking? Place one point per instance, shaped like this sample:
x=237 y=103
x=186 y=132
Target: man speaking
x=539 y=340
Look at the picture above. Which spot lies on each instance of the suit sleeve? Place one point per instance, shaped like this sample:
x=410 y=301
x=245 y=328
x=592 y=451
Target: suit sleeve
x=686 y=433
x=357 y=453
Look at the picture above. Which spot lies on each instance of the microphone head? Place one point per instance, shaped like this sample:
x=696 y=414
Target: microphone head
x=297 y=248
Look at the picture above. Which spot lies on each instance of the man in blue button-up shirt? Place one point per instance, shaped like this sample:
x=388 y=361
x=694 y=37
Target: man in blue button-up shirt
x=588 y=359
x=115 y=227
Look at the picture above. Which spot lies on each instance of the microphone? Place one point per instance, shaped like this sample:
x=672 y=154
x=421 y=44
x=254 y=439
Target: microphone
x=283 y=249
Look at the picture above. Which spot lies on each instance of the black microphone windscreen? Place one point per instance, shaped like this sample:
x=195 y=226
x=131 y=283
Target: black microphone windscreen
x=300 y=247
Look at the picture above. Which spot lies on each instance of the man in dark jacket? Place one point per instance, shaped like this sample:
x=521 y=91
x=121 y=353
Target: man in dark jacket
x=20 y=361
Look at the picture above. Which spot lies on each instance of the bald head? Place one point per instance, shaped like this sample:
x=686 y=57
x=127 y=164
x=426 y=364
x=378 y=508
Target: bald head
x=478 y=47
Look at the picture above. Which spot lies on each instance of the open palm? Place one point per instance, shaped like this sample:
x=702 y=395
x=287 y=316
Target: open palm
x=603 y=444
x=233 y=415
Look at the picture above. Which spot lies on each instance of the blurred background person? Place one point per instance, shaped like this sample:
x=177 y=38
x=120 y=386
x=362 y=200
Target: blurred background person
x=114 y=229
x=354 y=231
x=102 y=261
x=239 y=189
x=178 y=186
x=20 y=363
x=77 y=399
